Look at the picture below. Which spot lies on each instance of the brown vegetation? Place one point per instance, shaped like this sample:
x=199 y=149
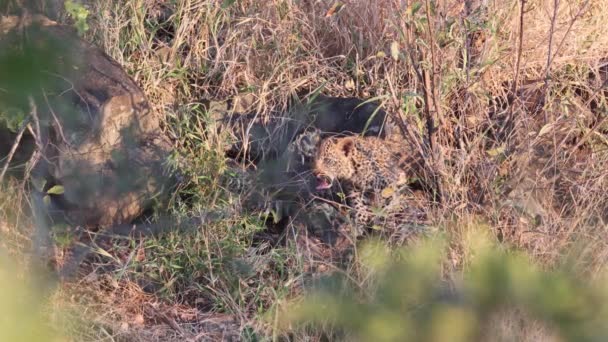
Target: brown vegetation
x=505 y=100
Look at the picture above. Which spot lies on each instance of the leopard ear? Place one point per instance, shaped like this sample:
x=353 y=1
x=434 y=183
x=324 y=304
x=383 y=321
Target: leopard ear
x=347 y=147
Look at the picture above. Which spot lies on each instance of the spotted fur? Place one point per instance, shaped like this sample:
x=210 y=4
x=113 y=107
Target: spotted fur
x=364 y=166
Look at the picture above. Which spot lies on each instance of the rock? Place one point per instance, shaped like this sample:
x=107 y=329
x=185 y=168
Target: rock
x=99 y=138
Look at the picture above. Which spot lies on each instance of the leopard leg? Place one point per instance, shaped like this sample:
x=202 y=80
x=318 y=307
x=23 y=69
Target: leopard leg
x=360 y=211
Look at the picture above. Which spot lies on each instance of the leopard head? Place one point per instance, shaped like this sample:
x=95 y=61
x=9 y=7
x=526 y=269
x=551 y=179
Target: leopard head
x=333 y=161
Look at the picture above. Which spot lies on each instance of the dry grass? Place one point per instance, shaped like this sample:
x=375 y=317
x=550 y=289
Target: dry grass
x=528 y=157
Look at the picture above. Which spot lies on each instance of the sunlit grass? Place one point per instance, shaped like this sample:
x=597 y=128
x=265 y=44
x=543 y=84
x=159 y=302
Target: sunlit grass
x=531 y=163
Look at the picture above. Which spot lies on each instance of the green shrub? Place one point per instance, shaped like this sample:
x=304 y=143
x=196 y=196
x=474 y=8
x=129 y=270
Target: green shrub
x=409 y=297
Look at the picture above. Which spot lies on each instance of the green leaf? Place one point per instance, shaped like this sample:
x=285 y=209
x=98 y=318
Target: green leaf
x=12 y=117
x=79 y=13
x=56 y=190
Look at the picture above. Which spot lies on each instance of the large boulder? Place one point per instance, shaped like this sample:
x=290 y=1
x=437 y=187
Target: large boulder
x=96 y=134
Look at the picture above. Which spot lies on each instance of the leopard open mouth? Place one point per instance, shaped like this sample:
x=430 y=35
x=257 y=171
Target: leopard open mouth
x=323 y=182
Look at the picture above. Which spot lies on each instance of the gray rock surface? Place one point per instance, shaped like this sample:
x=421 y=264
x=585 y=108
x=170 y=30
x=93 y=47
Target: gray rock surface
x=96 y=134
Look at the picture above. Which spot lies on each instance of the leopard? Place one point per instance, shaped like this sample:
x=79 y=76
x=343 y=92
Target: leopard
x=365 y=167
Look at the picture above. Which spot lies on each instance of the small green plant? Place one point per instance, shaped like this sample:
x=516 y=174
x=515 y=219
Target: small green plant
x=12 y=118
x=79 y=14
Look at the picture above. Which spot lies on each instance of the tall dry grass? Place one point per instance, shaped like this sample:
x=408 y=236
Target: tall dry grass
x=516 y=97
x=507 y=104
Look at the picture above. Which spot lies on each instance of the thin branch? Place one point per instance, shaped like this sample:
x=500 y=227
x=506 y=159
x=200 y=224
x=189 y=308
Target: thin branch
x=59 y=126
x=550 y=55
x=433 y=108
x=13 y=149
x=510 y=114
x=551 y=33
x=466 y=58
x=407 y=134
x=578 y=14
x=519 y=51
x=31 y=163
x=34 y=115
x=434 y=67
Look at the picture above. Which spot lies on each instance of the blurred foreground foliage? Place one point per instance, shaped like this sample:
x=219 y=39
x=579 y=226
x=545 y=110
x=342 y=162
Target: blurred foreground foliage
x=24 y=314
x=28 y=67
x=412 y=295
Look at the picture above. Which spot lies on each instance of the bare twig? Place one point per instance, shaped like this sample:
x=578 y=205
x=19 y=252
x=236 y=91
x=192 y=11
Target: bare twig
x=551 y=33
x=519 y=51
x=36 y=134
x=31 y=163
x=550 y=55
x=432 y=106
x=578 y=14
x=36 y=120
x=57 y=123
x=466 y=58
x=514 y=86
x=436 y=110
x=434 y=67
x=400 y=123
x=410 y=50
x=543 y=97
x=13 y=149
